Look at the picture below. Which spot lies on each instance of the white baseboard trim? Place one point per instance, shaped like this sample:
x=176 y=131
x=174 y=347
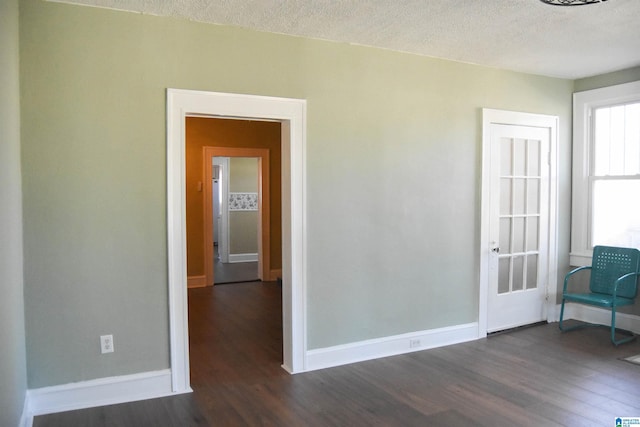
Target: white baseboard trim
x=288 y=369
x=590 y=314
x=389 y=346
x=243 y=258
x=26 y=420
x=99 y=392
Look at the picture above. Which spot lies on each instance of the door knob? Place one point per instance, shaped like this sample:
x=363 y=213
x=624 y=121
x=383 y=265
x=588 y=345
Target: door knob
x=496 y=249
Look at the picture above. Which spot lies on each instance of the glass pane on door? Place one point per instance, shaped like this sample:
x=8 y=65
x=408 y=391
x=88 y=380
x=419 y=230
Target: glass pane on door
x=519 y=157
x=505 y=196
x=519 y=238
x=517 y=274
x=532 y=271
x=504 y=272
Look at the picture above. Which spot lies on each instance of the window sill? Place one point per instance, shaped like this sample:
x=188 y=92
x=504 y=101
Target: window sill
x=579 y=259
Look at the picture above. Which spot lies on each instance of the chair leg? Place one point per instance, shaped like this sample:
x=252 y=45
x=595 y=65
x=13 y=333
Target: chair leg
x=561 y=315
x=613 y=325
x=613 y=330
x=571 y=328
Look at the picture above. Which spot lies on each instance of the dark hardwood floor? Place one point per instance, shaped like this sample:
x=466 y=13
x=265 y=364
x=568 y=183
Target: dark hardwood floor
x=529 y=377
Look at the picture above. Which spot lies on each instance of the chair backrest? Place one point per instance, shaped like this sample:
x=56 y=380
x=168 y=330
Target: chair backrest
x=608 y=264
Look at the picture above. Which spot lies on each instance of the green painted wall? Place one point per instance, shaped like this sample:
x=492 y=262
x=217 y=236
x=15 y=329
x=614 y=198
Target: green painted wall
x=609 y=79
x=13 y=374
x=393 y=178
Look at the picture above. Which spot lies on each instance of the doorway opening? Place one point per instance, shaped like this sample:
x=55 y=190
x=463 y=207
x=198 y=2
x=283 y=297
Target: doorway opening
x=246 y=238
x=291 y=113
x=246 y=217
x=236 y=219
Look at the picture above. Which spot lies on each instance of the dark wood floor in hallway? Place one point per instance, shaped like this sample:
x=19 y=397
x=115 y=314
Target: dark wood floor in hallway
x=529 y=377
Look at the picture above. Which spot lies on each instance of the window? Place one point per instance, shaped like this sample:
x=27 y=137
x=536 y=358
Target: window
x=606 y=170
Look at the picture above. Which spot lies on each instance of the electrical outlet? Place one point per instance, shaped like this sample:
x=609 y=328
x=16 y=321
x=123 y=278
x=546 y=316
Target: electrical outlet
x=414 y=343
x=106 y=344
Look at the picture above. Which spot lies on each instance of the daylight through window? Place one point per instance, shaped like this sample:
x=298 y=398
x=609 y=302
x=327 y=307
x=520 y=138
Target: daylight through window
x=605 y=169
x=615 y=189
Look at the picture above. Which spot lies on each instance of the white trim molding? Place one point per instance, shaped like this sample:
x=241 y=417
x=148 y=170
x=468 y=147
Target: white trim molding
x=99 y=392
x=234 y=258
x=26 y=419
x=291 y=113
x=223 y=236
x=390 y=346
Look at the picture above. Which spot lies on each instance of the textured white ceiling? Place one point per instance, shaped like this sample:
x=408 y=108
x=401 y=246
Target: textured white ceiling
x=521 y=35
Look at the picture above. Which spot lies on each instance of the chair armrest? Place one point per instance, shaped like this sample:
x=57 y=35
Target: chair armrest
x=620 y=279
x=571 y=273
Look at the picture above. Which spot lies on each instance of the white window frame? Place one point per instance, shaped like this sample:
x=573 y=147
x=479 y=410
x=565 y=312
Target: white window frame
x=584 y=103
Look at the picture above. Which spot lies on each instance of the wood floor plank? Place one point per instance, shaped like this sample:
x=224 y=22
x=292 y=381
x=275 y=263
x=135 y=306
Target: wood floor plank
x=534 y=376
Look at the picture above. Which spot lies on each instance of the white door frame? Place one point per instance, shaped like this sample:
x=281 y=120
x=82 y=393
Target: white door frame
x=489 y=117
x=291 y=113
x=223 y=226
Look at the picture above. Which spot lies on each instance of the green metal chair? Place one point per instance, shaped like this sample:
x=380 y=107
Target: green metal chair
x=613 y=283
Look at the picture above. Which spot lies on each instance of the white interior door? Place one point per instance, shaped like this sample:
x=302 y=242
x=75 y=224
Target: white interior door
x=518 y=234
x=221 y=222
x=216 y=200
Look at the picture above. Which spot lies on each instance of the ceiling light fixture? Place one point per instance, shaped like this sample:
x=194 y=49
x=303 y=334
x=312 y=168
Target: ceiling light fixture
x=571 y=2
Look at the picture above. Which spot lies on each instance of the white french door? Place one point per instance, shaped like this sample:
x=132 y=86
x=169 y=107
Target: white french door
x=517 y=238
x=518 y=235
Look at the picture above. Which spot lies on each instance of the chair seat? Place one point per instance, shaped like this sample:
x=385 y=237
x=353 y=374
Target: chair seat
x=601 y=300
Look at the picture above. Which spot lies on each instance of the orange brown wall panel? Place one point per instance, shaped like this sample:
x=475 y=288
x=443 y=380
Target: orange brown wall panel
x=213 y=132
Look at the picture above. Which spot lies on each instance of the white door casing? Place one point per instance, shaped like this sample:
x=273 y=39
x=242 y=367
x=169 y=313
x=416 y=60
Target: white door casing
x=291 y=113
x=518 y=255
x=221 y=222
